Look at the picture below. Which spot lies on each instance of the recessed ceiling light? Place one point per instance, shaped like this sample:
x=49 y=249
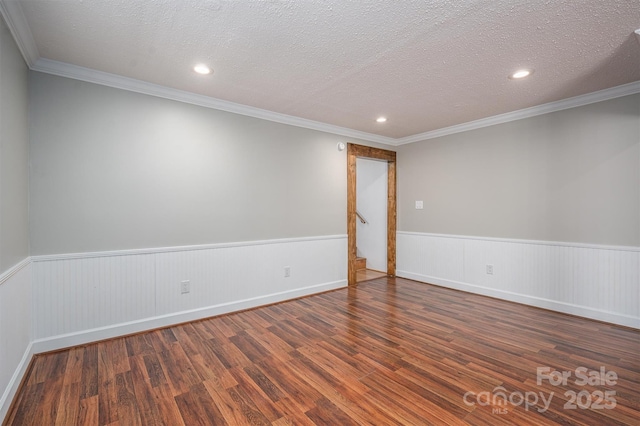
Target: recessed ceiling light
x=520 y=74
x=202 y=69
x=381 y=119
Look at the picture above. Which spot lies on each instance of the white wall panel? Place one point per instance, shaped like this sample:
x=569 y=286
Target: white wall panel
x=430 y=255
x=86 y=297
x=15 y=331
x=224 y=275
x=600 y=282
x=72 y=295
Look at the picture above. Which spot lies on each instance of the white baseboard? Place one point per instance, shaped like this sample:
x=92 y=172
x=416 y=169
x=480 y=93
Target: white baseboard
x=567 y=308
x=123 y=329
x=14 y=383
x=594 y=281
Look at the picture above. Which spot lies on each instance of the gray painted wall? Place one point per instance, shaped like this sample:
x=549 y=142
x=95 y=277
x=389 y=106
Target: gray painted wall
x=119 y=170
x=571 y=176
x=14 y=153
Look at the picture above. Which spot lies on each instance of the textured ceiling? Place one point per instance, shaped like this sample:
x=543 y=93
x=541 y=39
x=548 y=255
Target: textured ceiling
x=425 y=65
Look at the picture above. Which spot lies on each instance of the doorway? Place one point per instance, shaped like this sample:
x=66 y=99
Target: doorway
x=353 y=153
x=371 y=215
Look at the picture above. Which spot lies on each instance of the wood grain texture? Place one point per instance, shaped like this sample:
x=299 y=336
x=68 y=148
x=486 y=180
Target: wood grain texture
x=352 y=251
x=389 y=351
x=391 y=218
x=371 y=152
x=369 y=274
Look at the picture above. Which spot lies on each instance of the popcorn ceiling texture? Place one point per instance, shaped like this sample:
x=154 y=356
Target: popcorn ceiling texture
x=424 y=64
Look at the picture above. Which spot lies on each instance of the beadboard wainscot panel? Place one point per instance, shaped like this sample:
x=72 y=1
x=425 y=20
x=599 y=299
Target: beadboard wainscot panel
x=593 y=281
x=15 y=330
x=430 y=256
x=77 y=293
x=228 y=278
x=81 y=298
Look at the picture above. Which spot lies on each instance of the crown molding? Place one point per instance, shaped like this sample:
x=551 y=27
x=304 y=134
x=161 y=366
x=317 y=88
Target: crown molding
x=14 y=16
x=106 y=79
x=16 y=21
x=577 y=101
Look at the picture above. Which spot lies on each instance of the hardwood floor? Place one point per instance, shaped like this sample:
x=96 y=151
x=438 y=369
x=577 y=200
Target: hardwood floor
x=388 y=351
x=368 y=274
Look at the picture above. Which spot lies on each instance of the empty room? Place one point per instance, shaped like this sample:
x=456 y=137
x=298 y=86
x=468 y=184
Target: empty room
x=279 y=212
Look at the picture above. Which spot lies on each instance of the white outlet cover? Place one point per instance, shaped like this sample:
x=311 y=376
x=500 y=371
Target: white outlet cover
x=419 y=205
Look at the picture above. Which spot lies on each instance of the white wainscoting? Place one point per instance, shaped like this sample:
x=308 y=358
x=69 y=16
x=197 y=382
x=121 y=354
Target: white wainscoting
x=80 y=298
x=593 y=281
x=15 y=331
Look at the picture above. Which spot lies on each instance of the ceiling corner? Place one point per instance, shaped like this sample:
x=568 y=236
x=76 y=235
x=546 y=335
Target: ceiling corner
x=13 y=15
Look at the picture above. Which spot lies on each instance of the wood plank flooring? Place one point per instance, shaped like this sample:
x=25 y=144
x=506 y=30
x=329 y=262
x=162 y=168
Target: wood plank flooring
x=389 y=351
x=368 y=274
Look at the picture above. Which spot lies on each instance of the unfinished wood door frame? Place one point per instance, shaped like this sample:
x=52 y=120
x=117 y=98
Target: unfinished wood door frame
x=359 y=151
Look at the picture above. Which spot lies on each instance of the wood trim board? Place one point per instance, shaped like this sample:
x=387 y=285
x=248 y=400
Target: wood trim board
x=354 y=152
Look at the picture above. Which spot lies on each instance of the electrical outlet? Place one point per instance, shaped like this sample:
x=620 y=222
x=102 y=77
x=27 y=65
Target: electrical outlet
x=185 y=286
x=287 y=271
x=419 y=205
x=489 y=269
